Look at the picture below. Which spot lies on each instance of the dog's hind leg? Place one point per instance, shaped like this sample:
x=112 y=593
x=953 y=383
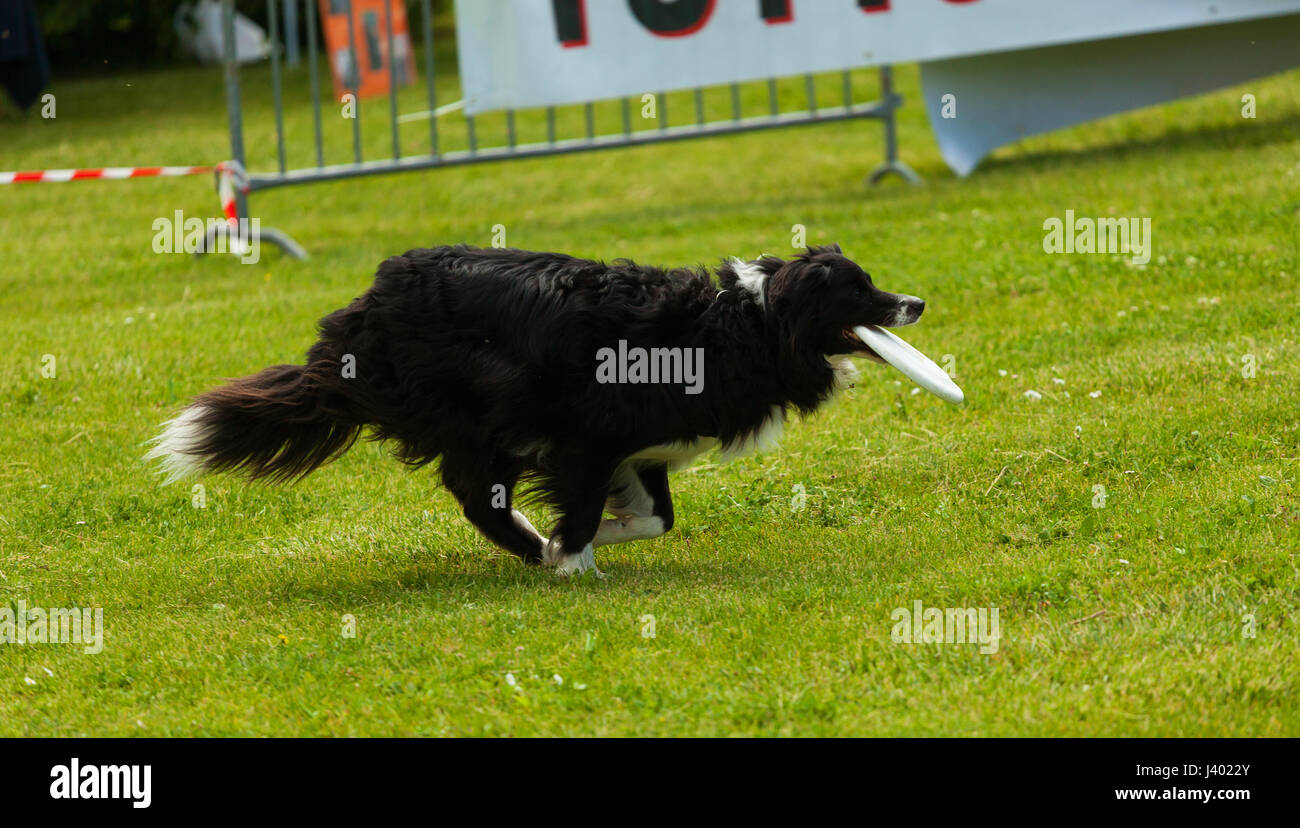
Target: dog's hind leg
x=486 y=493
x=641 y=502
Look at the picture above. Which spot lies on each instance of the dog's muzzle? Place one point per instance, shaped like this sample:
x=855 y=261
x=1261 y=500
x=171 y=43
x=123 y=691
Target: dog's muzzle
x=908 y=311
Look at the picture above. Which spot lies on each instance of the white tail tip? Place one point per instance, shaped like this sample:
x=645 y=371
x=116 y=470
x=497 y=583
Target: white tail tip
x=178 y=444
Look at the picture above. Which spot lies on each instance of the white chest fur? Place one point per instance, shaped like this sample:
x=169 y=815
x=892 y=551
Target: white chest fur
x=678 y=455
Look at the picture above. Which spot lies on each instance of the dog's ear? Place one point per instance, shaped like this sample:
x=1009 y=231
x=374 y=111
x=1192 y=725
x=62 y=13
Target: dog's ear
x=796 y=301
x=816 y=250
x=796 y=283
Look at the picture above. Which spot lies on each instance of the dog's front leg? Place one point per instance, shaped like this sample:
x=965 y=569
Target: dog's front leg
x=570 y=549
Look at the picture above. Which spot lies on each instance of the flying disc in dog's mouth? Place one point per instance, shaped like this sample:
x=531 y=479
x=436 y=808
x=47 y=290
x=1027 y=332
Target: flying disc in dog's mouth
x=861 y=348
x=884 y=346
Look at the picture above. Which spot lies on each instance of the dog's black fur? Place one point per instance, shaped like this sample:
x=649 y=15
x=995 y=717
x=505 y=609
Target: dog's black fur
x=486 y=359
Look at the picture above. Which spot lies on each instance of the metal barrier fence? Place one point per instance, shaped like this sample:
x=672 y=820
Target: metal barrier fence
x=475 y=153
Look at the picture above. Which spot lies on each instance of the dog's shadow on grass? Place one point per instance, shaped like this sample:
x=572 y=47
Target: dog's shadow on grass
x=1250 y=135
x=508 y=580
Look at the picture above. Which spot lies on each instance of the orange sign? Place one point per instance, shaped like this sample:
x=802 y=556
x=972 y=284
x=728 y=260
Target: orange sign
x=367 y=69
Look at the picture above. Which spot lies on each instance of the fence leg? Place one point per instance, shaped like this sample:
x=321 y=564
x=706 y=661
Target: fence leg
x=291 y=32
x=891 y=163
x=234 y=108
x=235 y=117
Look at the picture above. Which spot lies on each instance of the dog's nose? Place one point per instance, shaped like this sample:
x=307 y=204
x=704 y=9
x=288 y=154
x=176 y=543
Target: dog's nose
x=908 y=310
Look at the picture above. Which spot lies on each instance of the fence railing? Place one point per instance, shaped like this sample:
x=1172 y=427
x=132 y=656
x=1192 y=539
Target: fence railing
x=437 y=151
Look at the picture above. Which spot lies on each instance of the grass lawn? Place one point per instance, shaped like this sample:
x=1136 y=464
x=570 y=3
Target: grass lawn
x=1128 y=619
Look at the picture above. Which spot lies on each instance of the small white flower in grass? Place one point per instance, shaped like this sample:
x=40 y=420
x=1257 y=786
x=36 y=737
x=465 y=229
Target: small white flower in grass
x=557 y=679
x=1031 y=394
x=1180 y=550
x=1002 y=372
x=1121 y=560
x=1078 y=429
x=218 y=606
x=510 y=680
x=579 y=687
x=48 y=672
x=1058 y=380
x=916 y=391
x=29 y=680
x=1094 y=394
x=139 y=724
x=128 y=320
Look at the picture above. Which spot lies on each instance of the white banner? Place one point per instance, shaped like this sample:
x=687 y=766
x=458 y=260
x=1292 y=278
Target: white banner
x=527 y=53
x=999 y=99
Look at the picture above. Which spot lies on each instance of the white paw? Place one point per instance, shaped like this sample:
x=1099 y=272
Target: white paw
x=579 y=564
x=623 y=529
x=553 y=553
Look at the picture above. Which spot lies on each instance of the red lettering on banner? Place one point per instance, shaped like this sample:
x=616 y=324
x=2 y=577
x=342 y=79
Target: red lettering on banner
x=679 y=18
x=570 y=22
x=776 y=11
x=672 y=18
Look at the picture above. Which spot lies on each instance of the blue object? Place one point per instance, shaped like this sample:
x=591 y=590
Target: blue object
x=24 y=66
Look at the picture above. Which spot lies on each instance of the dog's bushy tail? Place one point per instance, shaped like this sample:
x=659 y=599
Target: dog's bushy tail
x=278 y=424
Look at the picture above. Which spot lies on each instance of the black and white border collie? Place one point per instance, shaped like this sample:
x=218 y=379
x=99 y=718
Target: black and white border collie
x=489 y=360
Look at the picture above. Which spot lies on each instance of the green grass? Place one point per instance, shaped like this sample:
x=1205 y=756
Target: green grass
x=1124 y=620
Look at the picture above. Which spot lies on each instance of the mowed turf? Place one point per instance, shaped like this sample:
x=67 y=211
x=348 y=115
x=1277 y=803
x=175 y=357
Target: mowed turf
x=1169 y=610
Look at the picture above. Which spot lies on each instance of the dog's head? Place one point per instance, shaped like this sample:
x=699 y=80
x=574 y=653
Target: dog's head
x=817 y=298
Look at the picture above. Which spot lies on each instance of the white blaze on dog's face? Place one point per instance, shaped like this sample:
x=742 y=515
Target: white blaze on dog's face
x=827 y=295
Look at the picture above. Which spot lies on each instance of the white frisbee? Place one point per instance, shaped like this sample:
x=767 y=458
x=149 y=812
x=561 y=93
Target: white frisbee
x=916 y=365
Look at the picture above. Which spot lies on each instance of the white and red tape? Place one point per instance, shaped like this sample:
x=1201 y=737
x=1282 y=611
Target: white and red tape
x=231 y=178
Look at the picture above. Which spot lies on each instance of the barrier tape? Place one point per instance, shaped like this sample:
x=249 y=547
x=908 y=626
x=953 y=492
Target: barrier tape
x=98 y=172
x=230 y=176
